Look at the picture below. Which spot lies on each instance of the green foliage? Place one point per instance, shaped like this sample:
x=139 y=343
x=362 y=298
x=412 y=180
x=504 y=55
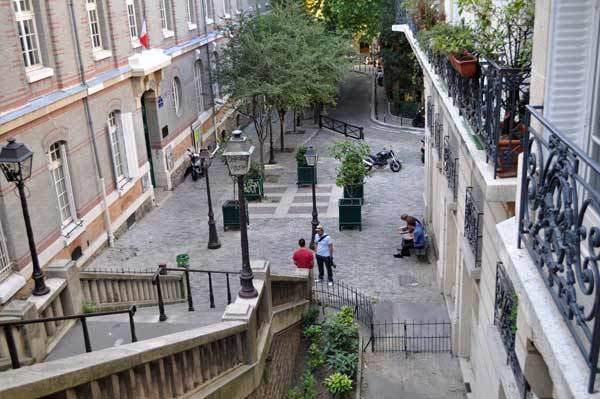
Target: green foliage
x=514 y=310
x=358 y=17
x=308 y=390
x=342 y=362
x=351 y=172
x=300 y=159
x=316 y=357
x=451 y=39
x=313 y=333
x=504 y=31
x=424 y=13
x=338 y=384
x=89 y=307
x=311 y=316
x=340 y=333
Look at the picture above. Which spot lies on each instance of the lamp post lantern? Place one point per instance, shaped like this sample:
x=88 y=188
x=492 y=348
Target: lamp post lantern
x=15 y=162
x=213 y=238
x=238 y=154
x=311 y=160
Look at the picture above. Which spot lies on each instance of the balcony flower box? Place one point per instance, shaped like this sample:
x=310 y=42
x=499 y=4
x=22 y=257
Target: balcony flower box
x=465 y=64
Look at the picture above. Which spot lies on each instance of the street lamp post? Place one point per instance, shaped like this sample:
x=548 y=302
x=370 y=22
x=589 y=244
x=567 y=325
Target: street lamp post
x=311 y=160
x=213 y=238
x=238 y=154
x=15 y=162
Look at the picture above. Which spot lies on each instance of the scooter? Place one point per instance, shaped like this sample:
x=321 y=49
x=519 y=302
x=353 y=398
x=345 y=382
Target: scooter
x=196 y=167
x=381 y=159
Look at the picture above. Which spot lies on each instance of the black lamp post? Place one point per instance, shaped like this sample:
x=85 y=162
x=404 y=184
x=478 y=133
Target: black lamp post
x=238 y=154
x=311 y=160
x=213 y=238
x=15 y=162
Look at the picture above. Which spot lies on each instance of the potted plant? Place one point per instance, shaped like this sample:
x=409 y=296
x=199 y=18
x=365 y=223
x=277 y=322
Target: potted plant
x=424 y=13
x=254 y=184
x=457 y=43
x=305 y=172
x=351 y=175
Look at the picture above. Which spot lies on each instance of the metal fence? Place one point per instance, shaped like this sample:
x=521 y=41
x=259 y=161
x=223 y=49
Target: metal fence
x=340 y=295
x=411 y=337
x=348 y=130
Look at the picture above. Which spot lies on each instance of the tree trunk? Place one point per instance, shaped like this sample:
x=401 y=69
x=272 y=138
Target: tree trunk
x=271 y=152
x=261 y=146
x=281 y=128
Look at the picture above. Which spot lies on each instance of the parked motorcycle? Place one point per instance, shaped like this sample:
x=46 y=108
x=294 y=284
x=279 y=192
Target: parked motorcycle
x=419 y=119
x=381 y=160
x=196 y=167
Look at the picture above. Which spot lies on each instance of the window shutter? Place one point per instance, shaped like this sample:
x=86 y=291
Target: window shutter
x=112 y=158
x=570 y=67
x=66 y=171
x=130 y=145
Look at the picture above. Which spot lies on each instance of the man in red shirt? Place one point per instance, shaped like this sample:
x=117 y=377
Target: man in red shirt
x=303 y=257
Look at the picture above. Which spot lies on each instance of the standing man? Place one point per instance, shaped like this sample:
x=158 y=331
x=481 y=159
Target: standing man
x=303 y=257
x=324 y=245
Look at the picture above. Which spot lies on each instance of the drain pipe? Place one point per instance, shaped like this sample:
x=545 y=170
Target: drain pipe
x=86 y=107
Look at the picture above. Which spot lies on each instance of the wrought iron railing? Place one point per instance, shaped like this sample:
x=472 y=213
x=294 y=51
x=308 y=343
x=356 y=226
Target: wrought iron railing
x=340 y=295
x=559 y=225
x=493 y=103
x=505 y=318
x=430 y=109
x=438 y=134
x=410 y=337
x=450 y=167
x=473 y=225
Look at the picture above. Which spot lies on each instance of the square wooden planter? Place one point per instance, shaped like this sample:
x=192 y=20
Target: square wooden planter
x=350 y=213
x=231 y=214
x=354 y=191
x=305 y=175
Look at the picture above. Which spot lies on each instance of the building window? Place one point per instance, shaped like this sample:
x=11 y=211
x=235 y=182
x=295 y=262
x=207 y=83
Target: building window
x=131 y=17
x=198 y=85
x=94 y=22
x=209 y=11
x=5 y=263
x=177 y=95
x=62 y=182
x=215 y=83
x=227 y=8
x=115 y=133
x=164 y=15
x=190 y=8
x=30 y=48
x=238 y=5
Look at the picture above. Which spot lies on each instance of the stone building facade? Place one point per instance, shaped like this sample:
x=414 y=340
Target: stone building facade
x=108 y=121
x=515 y=242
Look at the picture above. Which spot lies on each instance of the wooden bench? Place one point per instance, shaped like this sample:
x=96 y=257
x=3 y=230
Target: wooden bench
x=421 y=251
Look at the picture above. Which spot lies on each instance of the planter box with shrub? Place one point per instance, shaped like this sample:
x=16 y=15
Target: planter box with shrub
x=254 y=188
x=354 y=191
x=350 y=213
x=231 y=214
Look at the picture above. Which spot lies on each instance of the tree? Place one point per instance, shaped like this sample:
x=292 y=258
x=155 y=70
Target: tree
x=281 y=60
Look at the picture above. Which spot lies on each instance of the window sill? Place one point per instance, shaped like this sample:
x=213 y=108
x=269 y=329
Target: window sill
x=226 y=16
x=167 y=33
x=10 y=286
x=125 y=185
x=238 y=12
x=135 y=43
x=71 y=231
x=39 y=74
x=192 y=26
x=209 y=21
x=100 y=55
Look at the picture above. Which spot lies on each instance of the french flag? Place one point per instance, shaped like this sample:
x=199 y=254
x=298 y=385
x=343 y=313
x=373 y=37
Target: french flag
x=144 y=35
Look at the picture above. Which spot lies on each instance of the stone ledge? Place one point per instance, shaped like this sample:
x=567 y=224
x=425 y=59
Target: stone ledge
x=470 y=262
x=10 y=286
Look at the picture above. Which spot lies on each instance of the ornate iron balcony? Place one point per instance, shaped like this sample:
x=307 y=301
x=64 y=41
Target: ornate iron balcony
x=450 y=167
x=559 y=225
x=430 y=110
x=505 y=318
x=473 y=225
x=438 y=134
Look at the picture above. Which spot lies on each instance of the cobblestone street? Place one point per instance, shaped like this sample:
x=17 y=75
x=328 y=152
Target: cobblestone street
x=364 y=259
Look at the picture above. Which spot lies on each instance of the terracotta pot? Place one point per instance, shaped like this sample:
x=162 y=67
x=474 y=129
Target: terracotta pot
x=466 y=67
x=507 y=153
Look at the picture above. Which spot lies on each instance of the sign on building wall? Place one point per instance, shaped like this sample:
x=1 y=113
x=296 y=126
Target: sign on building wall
x=197 y=135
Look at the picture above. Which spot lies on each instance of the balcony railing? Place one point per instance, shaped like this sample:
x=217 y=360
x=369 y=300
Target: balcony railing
x=438 y=134
x=450 y=167
x=560 y=227
x=505 y=318
x=473 y=225
x=430 y=110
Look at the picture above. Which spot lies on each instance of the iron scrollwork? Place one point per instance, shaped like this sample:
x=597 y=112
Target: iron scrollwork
x=559 y=225
x=473 y=225
x=438 y=133
x=450 y=167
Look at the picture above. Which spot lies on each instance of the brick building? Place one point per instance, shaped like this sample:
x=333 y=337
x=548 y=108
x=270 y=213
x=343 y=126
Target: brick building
x=108 y=122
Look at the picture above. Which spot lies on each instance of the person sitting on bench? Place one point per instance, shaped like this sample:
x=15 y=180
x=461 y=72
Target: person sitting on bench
x=413 y=236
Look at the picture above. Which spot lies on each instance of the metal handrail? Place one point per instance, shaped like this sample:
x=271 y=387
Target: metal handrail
x=10 y=341
x=163 y=269
x=342 y=127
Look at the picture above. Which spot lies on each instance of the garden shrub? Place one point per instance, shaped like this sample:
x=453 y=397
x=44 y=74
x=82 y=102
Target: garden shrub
x=338 y=384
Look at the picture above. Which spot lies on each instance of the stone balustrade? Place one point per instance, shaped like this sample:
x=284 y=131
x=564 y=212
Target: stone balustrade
x=223 y=360
x=119 y=290
x=287 y=289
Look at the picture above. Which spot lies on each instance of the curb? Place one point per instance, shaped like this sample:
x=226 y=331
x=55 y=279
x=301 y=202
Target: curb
x=404 y=129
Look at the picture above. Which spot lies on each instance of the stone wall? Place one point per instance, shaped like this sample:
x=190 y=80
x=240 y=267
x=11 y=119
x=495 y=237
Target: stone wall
x=278 y=376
